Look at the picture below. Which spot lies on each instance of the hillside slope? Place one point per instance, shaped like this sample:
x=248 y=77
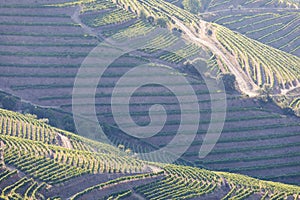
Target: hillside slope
x=33 y=169
x=273 y=23
x=40 y=66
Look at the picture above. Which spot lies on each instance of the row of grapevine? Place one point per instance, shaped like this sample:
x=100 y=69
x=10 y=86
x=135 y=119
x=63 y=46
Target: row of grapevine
x=71 y=162
x=97 y=5
x=20 y=188
x=263 y=66
x=15 y=125
x=157 y=9
x=27 y=127
x=278 y=30
x=137 y=29
x=215 y=5
x=180 y=183
x=185 y=182
x=115 y=16
x=161 y=42
x=115 y=181
x=185 y=53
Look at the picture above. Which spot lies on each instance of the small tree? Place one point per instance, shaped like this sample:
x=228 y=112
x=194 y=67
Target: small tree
x=150 y=19
x=265 y=92
x=161 y=22
x=228 y=80
x=194 y=6
x=121 y=147
x=2 y=96
x=9 y=102
x=68 y=123
x=142 y=15
x=288 y=111
x=209 y=32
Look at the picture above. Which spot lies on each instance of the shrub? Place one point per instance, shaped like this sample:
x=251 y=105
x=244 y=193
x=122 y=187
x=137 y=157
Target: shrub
x=150 y=19
x=288 y=111
x=193 y=6
x=9 y=102
x=209 y=32
x=68 y=123
x=228 y=80
x=161 y=22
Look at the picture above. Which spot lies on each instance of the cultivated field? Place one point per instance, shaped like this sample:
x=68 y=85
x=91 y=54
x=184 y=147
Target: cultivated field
x=34 y=169
x=43 y=46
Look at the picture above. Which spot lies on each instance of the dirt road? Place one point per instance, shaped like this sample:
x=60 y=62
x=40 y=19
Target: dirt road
x=75 y=17
x=246 y=84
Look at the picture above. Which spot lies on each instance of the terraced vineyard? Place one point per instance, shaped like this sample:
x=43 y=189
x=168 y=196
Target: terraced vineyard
x=32 y=169
x=277 y=29
x=215 y=5
x=273 y=23
x=263 y=68
x=42 y=47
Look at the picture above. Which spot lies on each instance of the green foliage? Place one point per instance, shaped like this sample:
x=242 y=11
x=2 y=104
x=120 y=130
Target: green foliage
x=264 y=64
x=115 y=181
x=228 y=80
x=53 y=164
x=68 y=123
x=9 y=102
x=115 y=16
x=161 y=22
x=193 y=6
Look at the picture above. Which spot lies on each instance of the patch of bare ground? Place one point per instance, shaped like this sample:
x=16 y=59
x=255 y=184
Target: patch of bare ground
x=134 y=196
x=154 y=169
x=63 y=141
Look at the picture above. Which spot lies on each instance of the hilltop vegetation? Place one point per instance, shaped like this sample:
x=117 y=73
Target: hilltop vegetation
x=31 y=168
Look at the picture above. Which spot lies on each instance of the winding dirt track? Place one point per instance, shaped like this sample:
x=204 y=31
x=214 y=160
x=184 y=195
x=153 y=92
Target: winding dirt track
x=75 y=17
x=246 y=84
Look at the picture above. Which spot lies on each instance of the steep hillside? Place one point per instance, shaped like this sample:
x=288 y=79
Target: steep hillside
x=33 y=169
x=273 y=23
x=252 y=67
x=40 y=65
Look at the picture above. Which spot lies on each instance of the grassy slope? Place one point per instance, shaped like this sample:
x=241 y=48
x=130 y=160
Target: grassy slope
x=33 y=168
